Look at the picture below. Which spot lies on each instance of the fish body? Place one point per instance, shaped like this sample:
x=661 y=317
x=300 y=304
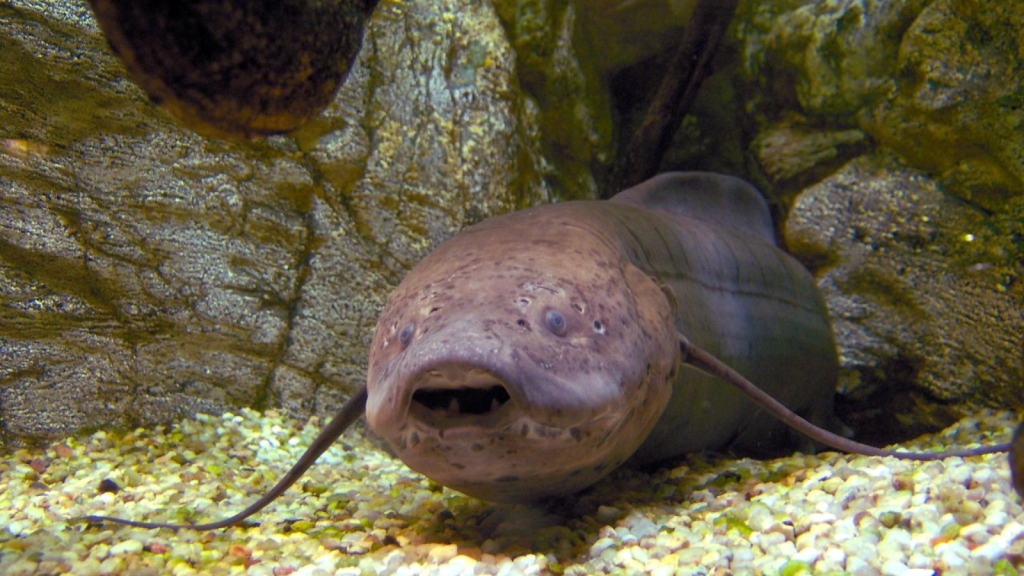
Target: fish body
x=533 y=353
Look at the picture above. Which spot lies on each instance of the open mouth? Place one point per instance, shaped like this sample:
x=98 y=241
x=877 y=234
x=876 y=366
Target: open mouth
x=457 y=395
x=455 y=402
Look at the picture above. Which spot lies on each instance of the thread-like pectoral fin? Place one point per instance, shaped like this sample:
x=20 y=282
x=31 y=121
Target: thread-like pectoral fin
x=349 y=413
x=698 y=358
x=1017 y=460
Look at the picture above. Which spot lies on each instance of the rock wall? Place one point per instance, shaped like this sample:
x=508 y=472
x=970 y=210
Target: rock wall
x=893 y=131
x=146 y=272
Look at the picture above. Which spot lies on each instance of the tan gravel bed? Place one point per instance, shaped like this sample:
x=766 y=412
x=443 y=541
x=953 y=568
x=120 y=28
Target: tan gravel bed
x=361 y=513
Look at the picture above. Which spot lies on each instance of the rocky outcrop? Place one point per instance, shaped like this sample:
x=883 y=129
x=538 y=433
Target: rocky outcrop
x=893 y=130
x=146 y=272
x=923 y=290
x=937 y=81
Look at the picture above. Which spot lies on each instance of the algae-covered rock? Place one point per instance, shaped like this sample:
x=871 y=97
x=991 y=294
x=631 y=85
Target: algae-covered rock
x=146 y=272
x=832 y=59
x=939 y=81
x=919 y=253
x=958 y=111
x=566 y=85
x=794 y=153
x=925 y=291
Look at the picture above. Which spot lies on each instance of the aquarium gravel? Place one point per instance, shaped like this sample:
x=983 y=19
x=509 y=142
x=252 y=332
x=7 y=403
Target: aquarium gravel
x=359 y=512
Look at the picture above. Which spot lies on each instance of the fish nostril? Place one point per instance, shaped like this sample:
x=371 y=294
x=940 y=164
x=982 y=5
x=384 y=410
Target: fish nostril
x=462 y=401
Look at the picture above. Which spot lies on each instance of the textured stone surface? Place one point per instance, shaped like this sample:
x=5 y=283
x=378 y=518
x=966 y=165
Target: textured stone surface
x=792 y=151
x=939 y=81
x=959 y=107
x=146 y=272
x=907 y=116
x=924 y=290
x=567 y=85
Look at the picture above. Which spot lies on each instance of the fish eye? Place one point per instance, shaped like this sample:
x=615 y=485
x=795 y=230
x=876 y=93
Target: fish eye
x=405 y=336
x=556 y=323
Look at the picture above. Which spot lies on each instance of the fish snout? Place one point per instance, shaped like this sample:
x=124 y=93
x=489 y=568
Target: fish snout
x=483 y=375
x=441 y=380
x=468 y=428
x=501 y=412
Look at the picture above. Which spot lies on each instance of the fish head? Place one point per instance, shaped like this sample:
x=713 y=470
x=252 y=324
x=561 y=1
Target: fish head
x=517 y=363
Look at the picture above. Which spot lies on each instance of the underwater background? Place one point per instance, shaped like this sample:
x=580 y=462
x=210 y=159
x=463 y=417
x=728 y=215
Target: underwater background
x=149 y=275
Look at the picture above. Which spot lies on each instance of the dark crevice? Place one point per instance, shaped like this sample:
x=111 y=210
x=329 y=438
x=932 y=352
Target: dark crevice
x=264 y=397
x=888 y=407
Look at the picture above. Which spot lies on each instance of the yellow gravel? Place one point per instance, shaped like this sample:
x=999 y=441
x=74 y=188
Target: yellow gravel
x=359 y=512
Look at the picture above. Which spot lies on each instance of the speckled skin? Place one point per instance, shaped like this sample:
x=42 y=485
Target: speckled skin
x=681 y=253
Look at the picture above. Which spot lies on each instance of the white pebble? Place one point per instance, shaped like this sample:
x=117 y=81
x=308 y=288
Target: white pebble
x=860 y=567
x=808 y=555
x=600 y=546
x=976 y=533
x=458 y=566
x=894 y=568
x=953 y=554
x=894 y=542
x=443 y=553
x=759 y=517
x=126 y=547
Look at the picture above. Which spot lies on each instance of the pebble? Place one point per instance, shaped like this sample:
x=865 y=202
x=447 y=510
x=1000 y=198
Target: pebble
x=126 y=547
x=865 y=516
x=443 y=553
x=860 y=567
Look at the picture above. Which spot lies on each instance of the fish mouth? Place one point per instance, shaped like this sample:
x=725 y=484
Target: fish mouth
x=455 y=396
